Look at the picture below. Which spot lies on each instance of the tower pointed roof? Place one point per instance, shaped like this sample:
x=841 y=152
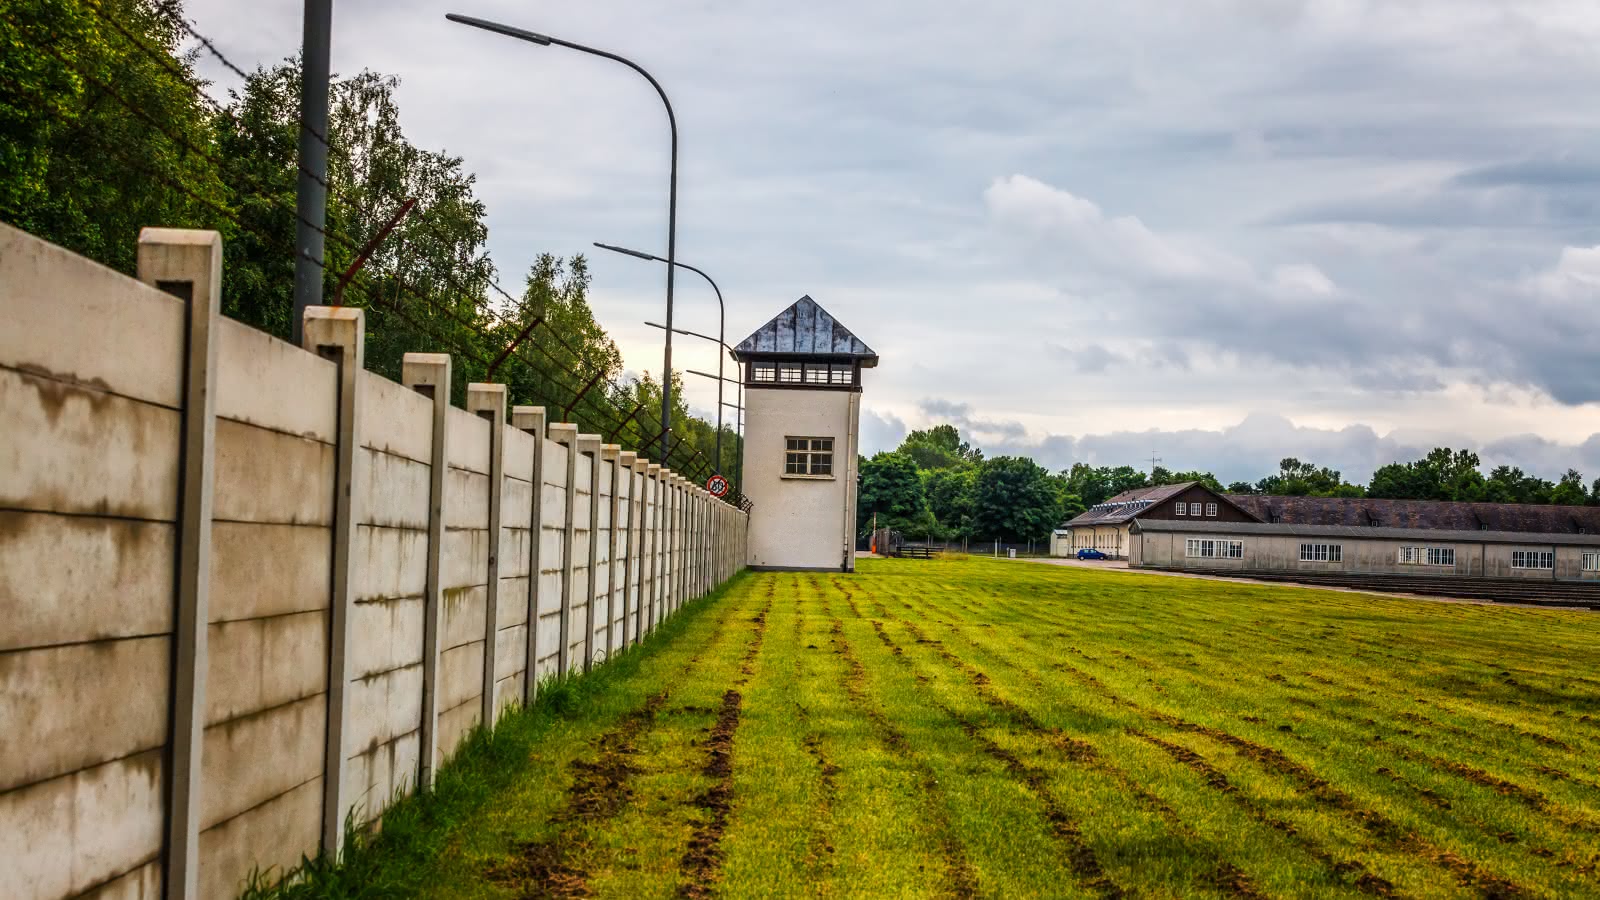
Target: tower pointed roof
x=805 y=329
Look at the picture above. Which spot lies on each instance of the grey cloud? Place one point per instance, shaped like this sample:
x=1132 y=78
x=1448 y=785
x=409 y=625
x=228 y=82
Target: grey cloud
x=1252 y=449
x=880 y=432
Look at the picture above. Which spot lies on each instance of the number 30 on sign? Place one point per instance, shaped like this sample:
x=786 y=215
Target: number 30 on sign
x=717 y=485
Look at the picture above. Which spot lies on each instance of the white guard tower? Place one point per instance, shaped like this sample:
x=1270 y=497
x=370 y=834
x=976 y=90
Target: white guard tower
x=802 y=378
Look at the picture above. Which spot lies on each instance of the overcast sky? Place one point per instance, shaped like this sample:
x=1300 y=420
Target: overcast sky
x=1221 y=231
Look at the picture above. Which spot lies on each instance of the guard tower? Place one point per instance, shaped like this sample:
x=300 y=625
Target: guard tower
x=802 y=378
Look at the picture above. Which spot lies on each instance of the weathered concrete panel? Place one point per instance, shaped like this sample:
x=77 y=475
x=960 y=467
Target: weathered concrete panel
x=390 y=563
x=513 y=606
x=519 y=454
x=464 y=560
x=507 y=693
x=384 y=706
x=509 y=650
x=373 y=778
x=467 y=440
x=268 y=570
x=300 y=387
x=256 y=664
x=276 y=833
x=464 y=613
x=385 y=635
x=395 y=419
x=250 y=760
x=266 y=476
x=109 y=578
x=70 y=707
x=143 y=883
x=466 y=499
x=454 y=725
x=61 y=837
x=394 y=492
x=76 y=318
x=78 y=450
x=460 y=674
x=515 y=552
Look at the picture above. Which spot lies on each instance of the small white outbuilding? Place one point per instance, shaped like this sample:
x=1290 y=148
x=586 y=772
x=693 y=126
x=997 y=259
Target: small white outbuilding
x=802 y=378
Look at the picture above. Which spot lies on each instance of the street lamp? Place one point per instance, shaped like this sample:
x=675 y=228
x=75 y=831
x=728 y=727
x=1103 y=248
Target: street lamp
x=545 y=40
x=738 y=462
x=722 y=322
x=720 y=380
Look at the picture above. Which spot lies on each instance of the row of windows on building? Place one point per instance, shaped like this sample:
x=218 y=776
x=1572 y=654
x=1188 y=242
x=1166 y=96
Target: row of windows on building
x=802 y=373
x=1408 y=556
x=1210 y=549
x=1195 y=509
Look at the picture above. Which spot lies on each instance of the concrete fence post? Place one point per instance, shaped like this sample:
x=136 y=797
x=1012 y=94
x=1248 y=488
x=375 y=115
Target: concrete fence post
x=641 y=594
x=429 y=374
x=489 y=402
x=610 y=453
x=589 y=446
x=685 y=543
x=188 y=265
x=653 y=522
x=566 y=434
x=669 y=542
x=339 y=334
x=531 y=420
x=627 y=465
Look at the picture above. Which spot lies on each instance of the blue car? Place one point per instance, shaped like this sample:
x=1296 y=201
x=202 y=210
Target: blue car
x=1090 y=553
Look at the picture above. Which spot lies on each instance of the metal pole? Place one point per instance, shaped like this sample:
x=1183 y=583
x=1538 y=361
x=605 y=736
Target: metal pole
x=722 y=322
x=311 y=197
x=545 y=40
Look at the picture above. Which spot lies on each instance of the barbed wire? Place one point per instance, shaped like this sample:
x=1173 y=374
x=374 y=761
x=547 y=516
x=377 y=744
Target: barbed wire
x=606 y=406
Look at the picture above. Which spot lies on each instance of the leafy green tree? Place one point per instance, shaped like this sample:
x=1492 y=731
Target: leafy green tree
x=1509 y=484
x=1162 y=476
x=950 y=494
x=1444 y=474
x=1014 y=500
x=891 y=491
x=1303 y=479
x=1095 y=485
x=939 y=447
x=102 y=132
x=1594 y=493
x=1241 y=487
x=1569 y=490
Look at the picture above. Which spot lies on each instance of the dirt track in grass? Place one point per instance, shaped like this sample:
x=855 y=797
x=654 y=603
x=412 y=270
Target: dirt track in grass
x=978 y=728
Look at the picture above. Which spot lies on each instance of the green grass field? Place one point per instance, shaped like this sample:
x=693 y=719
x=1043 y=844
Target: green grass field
x=1009 y=729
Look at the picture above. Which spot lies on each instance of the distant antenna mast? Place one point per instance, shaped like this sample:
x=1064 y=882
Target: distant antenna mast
x=1154 y=461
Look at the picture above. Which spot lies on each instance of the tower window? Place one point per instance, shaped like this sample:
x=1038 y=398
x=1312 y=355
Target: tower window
x=808 y=456
x=763 y=372
x=790 y=373
x=841 y=374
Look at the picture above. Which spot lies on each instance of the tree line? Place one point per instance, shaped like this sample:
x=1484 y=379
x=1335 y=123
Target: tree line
x=936 y=486
x=105 y=128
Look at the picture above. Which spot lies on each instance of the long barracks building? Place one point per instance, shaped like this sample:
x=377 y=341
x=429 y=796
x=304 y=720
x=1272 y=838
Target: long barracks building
x=1189 y=526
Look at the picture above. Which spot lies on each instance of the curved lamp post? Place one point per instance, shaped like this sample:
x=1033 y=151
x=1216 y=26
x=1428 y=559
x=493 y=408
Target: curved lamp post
x=722 y=322
x=739 y=463
x=545 y=40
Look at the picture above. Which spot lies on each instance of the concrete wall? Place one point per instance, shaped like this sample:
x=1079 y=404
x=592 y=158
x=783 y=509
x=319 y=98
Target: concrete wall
x=1373 y=556
x=212 y=650
x=806 y=522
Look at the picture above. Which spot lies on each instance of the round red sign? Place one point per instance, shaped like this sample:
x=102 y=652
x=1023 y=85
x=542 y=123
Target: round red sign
x=717 y=485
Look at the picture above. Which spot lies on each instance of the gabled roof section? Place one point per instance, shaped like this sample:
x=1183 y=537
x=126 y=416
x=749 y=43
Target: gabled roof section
x=1422 y=514
x=1128 y=504
x=805 y=329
